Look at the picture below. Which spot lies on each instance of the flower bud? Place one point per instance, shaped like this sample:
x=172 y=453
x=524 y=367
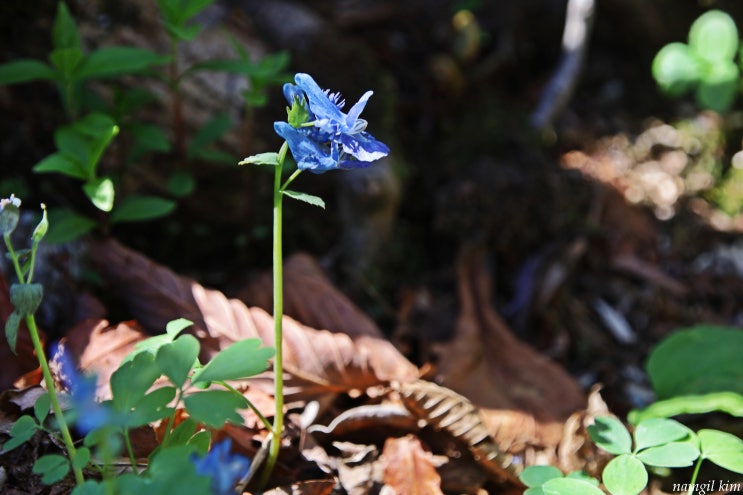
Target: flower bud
x=9 y=214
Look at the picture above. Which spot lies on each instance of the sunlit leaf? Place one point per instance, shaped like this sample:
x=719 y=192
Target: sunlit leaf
x=243 y=359
x=538 y=475
x=724 y=449
x=625 y=475
x=611 y=435
x=214 y=408
x=307 y=198
x=101 y=193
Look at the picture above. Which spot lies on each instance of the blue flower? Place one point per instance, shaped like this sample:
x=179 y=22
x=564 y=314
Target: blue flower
x=224 y=469
x=90 y=414
x=330 y=139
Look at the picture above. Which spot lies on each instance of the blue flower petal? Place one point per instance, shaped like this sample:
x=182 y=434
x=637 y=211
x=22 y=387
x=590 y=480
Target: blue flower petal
x=364 y=147
x=309 y=154
x=319 y=103
x=224 y=468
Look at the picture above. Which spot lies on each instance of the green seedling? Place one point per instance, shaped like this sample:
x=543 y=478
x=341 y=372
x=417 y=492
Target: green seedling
x=706 y=65
x=70 y=67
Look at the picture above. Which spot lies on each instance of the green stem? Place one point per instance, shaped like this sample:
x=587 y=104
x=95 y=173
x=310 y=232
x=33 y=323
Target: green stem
x=252 y=407
x=694 y=475
x=278 y=313
x=16 y=264
x=130 y=450
x=56 y=407
x=290 y=179
x=171 y=419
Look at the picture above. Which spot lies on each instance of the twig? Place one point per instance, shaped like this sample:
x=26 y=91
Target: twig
x=578 y=26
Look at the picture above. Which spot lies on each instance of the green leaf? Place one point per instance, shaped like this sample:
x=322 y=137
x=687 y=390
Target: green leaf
x=23 y=429
x=174 y=327
x=51 y=467
x=676 y=69
x=201 y=441
x=611 y=435
x=181 y=184
x=62 y=163
x=64 y=30
x=674 y=454
x=182 y=33
x=214 y=408
x=100 y=191
x=115 y=61
x=147 y=138
x=171 y=471
x=182 y=433
x=177 y=359
x=714 y=350
x=89 y=487
x=153 y=344
x=180 y=12
x=82 y=457
x=653 y=432
x=537 y=490
x=41 y=407
x=714 y=36
x=568 y=486
x=130 y=382
x=26 y=298
x=66 y=61
x=718 y=86
x=261 y=159
x=98 y=129
x=65 y=225
x=243 y=359
x=139 y=208
x=722 y=448
x=538 y=475
x=728 y=402
x=208 y=134
x=11 y=329
x=25 y=70
x=152 y=407
x=307 y=198
x=582 y=475
x=625 y=475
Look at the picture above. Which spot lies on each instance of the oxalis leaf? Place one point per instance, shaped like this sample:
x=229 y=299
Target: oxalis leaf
x=611 y=435
x=653 y=432
x=722 y=448
x=534 y=476
x=52 y=468
x=625 y=475
x=307 y=198
x=569 y=486
x=131 y=381
x=674 y=454
x=243 y=359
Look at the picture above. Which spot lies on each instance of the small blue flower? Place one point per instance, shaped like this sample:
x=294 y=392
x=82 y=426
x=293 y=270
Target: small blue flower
x=331 y=139
x=90 y=414
x=224 y=468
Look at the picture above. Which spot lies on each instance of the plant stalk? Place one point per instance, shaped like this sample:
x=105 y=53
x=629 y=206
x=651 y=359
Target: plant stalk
x=56 y=407
x=278 y=313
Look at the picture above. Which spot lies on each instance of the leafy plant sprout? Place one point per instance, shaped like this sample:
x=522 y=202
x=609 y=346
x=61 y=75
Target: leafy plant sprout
x=321 y=138
x=26 y=297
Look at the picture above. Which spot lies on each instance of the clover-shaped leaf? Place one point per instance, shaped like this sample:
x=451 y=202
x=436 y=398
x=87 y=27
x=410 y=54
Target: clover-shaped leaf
x=625 y=475
x=722 y=448
x=611 y=435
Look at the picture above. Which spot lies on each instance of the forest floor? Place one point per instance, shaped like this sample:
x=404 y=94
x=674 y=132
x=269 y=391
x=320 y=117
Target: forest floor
x=486 y=277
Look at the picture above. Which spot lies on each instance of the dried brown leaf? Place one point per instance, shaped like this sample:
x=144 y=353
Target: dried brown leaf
x=409 y=469
x=524 y=397
x=318 y=361
x=311 y=298
x=312 y=487
x=446 y=410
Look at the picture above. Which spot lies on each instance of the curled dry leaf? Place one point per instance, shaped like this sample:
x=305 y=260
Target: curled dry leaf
x=408 y=469
x=317 y=361
x=524 y=398
x=446 y=410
